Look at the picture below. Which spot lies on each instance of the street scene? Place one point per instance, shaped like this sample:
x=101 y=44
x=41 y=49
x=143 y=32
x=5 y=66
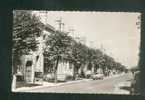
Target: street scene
x=75 y=52
x=108 y=85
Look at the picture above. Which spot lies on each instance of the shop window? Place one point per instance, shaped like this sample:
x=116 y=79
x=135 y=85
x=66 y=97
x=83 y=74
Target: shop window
x=29 y=63
x=38 y=74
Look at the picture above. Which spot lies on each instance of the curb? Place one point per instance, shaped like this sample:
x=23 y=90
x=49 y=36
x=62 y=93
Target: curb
x=43 y=86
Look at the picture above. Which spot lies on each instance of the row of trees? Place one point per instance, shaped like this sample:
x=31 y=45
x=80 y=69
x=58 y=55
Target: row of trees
x=60 y=46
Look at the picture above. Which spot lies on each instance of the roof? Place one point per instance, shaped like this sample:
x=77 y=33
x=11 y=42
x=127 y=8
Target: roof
x=47 y=27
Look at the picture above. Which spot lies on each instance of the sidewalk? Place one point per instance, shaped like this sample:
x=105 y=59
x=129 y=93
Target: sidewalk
x=48 y=84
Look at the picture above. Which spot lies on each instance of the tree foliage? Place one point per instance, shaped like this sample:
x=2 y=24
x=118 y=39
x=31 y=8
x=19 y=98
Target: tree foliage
x=66 y=48
x=26 y=27
x=58 y=45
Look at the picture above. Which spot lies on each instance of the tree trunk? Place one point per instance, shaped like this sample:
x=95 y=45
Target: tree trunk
x=93 y=68
x=55 y=72
x=75 y=71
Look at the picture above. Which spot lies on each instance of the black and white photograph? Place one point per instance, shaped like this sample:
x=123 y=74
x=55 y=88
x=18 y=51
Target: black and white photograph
x=87 y=52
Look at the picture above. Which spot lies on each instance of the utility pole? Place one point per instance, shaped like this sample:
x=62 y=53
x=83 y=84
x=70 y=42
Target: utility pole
x=61 y=24
x=72 y=32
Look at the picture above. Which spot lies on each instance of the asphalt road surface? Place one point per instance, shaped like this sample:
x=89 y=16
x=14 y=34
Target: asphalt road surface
x=106 y=85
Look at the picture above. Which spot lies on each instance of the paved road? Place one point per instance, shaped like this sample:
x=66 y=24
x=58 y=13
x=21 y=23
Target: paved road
x=88 y=86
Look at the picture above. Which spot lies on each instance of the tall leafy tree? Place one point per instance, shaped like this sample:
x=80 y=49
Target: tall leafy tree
x=58 y=45
x=26 y=27
x=78 y=56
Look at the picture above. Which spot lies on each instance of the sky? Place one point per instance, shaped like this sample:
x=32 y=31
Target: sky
x=114 y=32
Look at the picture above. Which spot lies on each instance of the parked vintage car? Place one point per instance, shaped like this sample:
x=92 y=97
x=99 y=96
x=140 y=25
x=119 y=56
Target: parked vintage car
x=97 y=76
x=88 y=74
x=48 y=77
